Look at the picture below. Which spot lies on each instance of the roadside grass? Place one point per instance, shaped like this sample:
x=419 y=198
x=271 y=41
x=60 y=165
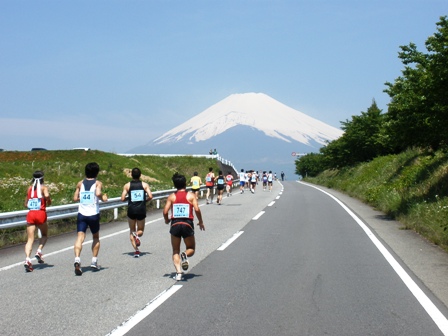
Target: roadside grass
x=411 y=187
x=65 y=168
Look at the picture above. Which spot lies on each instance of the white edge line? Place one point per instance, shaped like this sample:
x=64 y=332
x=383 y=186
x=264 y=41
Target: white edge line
x=230 y=241
x=272 y=203
x=436 y=315
x=143 y=313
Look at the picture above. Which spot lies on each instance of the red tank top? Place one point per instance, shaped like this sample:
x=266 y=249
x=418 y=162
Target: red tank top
x=181 y=208
x=35 y=203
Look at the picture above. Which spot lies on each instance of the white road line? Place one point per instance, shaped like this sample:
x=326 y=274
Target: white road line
x=277 y=197
x=258 y=215
x=230 y=241
x=71 y=247
x=141 y=314
x=436 y=315
x=272 y=203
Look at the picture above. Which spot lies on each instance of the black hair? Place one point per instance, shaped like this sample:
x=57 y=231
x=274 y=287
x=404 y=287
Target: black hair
x=38 y=175
x=220 y=172
x=210 y=169
x=92 y=169
x=179 y=181
x=136 y=173
x=195 y=173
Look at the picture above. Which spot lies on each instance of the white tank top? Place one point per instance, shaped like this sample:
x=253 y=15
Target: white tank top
x=88 y=202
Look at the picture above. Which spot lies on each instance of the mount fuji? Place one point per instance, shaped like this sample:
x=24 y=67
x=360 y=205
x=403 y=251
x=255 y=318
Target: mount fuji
x=252 y=130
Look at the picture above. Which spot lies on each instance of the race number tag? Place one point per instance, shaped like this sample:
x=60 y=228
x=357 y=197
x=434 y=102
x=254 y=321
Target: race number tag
x=208 y=178
x=181 y=210
x=34 y=204
x=87 y=197
x=195 y=183
x=137 y=195
x=220 y=181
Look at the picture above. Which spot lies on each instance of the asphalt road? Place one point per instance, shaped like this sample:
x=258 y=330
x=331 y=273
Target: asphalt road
x=299 y=264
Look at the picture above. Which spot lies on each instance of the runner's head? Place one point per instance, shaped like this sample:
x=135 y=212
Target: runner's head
x=179 y=181
x=195 y=173
x=92 y=169
x=38 y=175
x=210 y=169
x=136 y=173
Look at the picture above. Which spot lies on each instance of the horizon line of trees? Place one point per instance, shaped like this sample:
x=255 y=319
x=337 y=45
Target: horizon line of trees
x=417 y=114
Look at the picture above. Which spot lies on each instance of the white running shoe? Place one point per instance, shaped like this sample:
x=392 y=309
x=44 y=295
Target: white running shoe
x=184 y=263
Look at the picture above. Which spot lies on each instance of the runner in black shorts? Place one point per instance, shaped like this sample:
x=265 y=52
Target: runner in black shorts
x=137 y=193
x=220 y=185
x=181 y=204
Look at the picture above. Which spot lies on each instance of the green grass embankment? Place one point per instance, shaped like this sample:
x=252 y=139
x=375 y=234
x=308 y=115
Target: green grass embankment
x=411 y=187
x=63 y=170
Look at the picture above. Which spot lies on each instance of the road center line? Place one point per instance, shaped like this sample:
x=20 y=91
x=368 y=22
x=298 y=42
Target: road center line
x=258 y=215
x=230 y=241
x=143 y=313
x=436 y=315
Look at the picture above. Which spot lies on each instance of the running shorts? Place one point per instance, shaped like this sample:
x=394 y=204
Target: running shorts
x=182 y=228
x=93 y=222
x=36 y=217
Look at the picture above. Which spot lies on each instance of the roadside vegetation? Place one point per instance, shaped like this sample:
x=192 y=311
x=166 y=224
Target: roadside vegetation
x=397 y=160
x=63 y=170
x=411 y=187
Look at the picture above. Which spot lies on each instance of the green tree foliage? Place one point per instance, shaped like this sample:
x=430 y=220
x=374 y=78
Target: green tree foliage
x=360 y=142
x=310 y=165
x=418 y=111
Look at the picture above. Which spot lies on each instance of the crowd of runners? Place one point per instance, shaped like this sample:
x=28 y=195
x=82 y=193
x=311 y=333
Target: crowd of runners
x=179 y=210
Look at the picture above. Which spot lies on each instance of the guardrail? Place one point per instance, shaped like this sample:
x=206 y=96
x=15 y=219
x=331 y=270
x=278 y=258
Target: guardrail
x=18 y=218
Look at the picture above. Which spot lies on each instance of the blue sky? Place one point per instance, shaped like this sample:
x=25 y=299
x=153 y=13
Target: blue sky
x=113 y=75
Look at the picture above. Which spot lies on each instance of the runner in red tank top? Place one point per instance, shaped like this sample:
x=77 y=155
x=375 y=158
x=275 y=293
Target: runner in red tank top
x=36 y=201
x=182 y=204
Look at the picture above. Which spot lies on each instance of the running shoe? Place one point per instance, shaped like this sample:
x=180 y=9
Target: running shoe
x=39 y=258
x=28 y=266
x=178 y=277
x=94 y=265
x=184 y=263
x=137 y=254
x=78 y=270
x=137 y=239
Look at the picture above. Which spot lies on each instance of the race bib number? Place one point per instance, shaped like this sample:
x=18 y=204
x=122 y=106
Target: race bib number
x=195 y=183
x=34 y=204
x=181 y=210
x=87 y=197
x=208 y=178
x=220 y=181
x=137 y=195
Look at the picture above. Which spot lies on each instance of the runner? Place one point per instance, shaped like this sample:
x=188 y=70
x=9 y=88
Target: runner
x=37 y=199
x=270 y=178
x=196 y=183
x=242 y=178
x=265 y=180
x=253 y=181
x=137 y=193
x=87 y=193
x=229 y=182
x=220 y=185
x=181 y=204
x=210 y=183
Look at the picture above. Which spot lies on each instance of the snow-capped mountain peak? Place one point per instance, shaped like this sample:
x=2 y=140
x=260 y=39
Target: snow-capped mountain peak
x=256 y=110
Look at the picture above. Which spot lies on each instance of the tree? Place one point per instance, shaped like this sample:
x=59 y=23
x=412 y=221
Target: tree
x=418 y=112
x=361 y=141
x=310 y=165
